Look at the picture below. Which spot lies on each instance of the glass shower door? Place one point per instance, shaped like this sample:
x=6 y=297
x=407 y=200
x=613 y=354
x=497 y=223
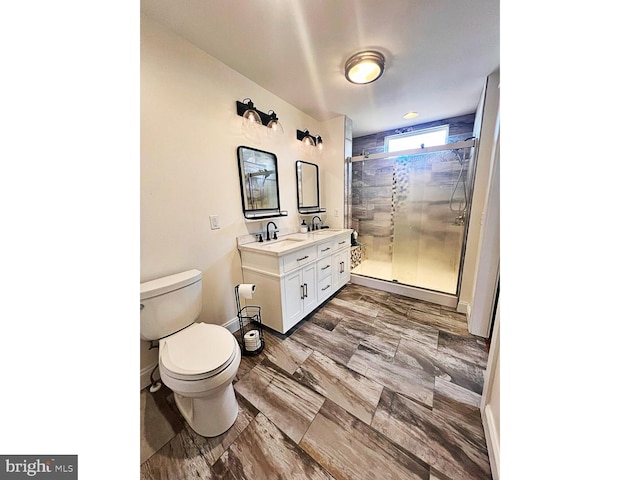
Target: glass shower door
x=428 y=233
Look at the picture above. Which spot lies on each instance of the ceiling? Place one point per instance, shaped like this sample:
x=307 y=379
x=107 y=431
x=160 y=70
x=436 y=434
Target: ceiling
x=438 y=52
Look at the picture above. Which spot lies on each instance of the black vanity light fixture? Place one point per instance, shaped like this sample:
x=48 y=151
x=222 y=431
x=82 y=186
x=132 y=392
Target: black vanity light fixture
x=305 y=137
x=364 y=67
x=251 y=115
x=274 y=124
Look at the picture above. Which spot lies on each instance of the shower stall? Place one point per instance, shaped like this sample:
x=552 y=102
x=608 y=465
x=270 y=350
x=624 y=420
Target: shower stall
x=410 y=211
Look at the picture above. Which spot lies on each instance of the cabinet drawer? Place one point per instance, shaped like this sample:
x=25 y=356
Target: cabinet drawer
x=325 y=288
x=325 y=249
x=324 y=268
x=299 y=258
x=341 y=242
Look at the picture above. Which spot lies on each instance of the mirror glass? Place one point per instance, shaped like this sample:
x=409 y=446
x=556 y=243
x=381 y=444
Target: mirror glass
x=308 y=187
x=258 y=182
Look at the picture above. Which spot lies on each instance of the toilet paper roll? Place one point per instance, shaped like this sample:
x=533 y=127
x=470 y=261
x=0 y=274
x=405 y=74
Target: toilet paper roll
x=245 y=290
x=251 y=334
x=253 y=346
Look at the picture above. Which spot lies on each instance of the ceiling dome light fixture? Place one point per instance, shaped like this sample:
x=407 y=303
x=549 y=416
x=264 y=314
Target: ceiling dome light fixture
x=364 y=67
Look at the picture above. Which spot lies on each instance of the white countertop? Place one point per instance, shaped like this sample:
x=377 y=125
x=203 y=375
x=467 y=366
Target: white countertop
x=292 y=242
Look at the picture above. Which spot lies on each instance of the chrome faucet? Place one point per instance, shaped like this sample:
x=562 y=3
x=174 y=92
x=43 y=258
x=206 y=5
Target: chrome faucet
x=314 y=226
x=275 y=236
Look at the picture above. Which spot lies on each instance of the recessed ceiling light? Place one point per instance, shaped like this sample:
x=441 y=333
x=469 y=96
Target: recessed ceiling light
x=364 y=67
x=410 y=115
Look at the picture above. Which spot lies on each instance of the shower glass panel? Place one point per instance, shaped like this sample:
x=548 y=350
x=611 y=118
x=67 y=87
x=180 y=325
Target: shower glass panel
x=410 y=214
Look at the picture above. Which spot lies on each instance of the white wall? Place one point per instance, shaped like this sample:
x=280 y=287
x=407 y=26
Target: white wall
x=189 y=132
x=487 y=266
x=490 y=402
x=485 y=156
x=332 y=173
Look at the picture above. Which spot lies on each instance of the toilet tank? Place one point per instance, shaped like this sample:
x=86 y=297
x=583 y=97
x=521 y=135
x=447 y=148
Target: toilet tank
x=169 y=304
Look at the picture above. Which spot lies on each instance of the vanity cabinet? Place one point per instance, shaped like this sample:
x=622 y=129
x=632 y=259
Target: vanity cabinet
x=292 y=281
x=341 y=266
x=300 y=294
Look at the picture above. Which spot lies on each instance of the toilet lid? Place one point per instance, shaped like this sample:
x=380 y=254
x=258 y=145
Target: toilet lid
x=198 y=349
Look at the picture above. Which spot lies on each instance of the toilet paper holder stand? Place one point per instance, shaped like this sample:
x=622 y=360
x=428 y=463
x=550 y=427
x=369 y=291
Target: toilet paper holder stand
x=249 y=318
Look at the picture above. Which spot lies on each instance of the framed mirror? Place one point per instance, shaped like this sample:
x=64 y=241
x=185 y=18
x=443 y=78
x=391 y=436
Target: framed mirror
x=258 y=172
x=307 y=177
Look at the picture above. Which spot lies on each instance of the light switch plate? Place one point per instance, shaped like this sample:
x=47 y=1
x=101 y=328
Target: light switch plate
x=214 y=221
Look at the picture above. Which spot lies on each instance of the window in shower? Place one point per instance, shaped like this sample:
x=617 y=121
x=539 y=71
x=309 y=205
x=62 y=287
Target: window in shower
x=427 y=137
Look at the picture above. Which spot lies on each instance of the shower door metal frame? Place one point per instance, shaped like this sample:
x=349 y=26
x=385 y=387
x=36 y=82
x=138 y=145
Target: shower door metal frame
x=416 y=151
x=447 y=298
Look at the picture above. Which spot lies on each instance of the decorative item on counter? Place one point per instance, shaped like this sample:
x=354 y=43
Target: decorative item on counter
x=354 y=239
x=304 y=228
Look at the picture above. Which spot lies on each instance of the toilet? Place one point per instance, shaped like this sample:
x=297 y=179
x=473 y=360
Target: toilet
x=197 y=361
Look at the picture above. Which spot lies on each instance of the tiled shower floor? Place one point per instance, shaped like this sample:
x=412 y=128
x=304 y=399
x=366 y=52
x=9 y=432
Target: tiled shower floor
x=372 y=386
x=438 y=279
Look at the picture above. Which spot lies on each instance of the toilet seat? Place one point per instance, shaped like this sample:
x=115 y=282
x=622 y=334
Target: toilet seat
x=197 y=352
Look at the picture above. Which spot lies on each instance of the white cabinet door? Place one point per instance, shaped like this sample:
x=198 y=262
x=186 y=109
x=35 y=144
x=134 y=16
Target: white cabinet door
x=294 y=298
x=309 y=284
x=341 y=268
x=301 y=294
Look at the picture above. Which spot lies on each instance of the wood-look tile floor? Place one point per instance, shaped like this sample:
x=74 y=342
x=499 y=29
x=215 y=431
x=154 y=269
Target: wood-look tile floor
x=372 y=386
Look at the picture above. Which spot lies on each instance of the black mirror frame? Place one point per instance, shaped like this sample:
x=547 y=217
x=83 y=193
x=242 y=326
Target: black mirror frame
x=314 y=208
x=258 y=213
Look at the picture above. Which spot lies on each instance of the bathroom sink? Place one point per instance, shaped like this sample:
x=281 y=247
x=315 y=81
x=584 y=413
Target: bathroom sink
x=299 y=237
x=279 y=245
x=292 y=242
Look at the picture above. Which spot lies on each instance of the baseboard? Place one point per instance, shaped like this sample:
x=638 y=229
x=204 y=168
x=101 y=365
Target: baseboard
x=464 y=307
x=145 y=372
x=232 y=325
x=492 y=439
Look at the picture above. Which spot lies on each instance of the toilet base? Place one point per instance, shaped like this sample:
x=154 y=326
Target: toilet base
x=212 y=415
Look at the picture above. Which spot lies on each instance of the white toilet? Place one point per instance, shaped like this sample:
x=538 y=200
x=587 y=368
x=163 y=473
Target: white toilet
x=198 y=361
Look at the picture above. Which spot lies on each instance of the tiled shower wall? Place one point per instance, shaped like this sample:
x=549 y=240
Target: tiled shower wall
x=373 y=185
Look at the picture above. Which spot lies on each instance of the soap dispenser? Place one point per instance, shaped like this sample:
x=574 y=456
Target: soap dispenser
x=304 y=228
